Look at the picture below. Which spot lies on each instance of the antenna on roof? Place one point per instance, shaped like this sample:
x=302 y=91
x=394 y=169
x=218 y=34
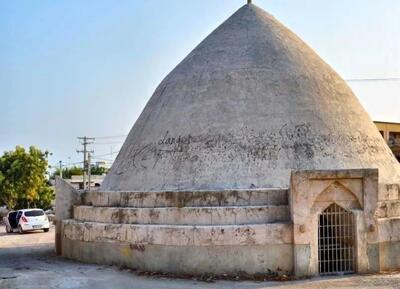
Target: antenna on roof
x=249 y=1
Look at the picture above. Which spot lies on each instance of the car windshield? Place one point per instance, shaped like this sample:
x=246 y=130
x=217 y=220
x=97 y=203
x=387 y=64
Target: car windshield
x=34 y=213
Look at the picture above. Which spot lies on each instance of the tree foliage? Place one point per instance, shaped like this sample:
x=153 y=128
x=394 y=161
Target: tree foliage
x=68 y=172
x=77 y=171
x=98 y=171
x=23 y=181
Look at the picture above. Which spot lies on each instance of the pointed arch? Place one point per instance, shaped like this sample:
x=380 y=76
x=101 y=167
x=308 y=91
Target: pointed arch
x=339 y=194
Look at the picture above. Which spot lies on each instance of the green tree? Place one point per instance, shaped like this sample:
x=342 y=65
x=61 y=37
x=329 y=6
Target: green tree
x=68 y=172
x=23 y=179
x=98 y=171
x=78 y=171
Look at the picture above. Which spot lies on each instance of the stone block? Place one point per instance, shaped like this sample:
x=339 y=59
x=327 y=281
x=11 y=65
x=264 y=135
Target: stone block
x=389 y=253
x=373 y=258
x=139 y=235
x=202 y=237
x=99 y=199
x=388 y=209
x=302 y=260
x=389 y=192
x=389 y=230
x=114 y=199
x=225 y=215
x=278 y=197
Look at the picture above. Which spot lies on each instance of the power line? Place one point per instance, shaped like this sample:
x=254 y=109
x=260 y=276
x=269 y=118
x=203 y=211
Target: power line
x=73 y=164
x=108 y=143
x=102 y=159
x=111 y=137
x=65 y=165
x=105 y=155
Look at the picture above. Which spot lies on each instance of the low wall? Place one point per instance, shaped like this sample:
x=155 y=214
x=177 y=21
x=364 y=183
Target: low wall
x=194 y=260
x=66 y=198
x=389 y=243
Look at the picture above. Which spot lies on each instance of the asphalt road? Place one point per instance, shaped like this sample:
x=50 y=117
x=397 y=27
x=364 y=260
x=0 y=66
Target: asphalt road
x=27 y=261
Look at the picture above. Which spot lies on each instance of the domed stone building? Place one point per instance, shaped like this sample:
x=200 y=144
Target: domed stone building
x=251 y=156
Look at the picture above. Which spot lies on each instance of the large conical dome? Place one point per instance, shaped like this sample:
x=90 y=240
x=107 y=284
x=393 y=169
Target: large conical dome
x=251 y=103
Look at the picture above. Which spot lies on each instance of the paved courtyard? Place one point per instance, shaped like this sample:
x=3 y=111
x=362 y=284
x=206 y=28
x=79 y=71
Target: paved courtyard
x=28 y=261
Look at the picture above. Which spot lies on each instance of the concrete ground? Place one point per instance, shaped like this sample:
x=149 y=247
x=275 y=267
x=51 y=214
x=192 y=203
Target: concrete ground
x=28 y=261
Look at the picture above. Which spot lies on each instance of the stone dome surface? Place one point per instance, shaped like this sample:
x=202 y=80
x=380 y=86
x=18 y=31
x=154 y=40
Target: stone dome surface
x=248 y=105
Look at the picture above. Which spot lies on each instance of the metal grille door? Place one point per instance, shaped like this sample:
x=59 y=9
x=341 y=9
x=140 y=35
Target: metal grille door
x=336 y=241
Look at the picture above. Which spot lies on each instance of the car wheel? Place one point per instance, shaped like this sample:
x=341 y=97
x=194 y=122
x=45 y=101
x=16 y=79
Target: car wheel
x=20 y=230
x=8 y=229
x=45 y=230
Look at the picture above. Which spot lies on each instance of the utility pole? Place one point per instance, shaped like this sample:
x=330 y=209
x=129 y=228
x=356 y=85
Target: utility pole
x=61 y=176
x=85 y=141
x=89 y=169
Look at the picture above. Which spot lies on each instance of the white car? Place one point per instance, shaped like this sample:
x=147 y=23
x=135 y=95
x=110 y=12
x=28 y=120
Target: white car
x=26 y=220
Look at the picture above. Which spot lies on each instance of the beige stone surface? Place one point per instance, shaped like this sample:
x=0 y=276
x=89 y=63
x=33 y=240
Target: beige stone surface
x=66 y=198
x=389 y=230
x=175 y=235
x=184 y=216
x=193 y=198
x=389 y=209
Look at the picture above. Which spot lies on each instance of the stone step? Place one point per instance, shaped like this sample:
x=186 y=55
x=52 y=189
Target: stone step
x=232 y=215
x=180 y=235
x=257 y=197
x=389 y=209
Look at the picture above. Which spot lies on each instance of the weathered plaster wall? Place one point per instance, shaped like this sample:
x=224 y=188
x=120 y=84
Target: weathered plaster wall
x=174 y=235
x=248 y=105
x=250 y=259
x=236 y=215
x=193 y=232
x=193 y=198
x=66 y=198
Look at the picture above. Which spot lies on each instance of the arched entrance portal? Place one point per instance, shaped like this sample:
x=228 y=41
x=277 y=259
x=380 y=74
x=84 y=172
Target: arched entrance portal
x=336 y=240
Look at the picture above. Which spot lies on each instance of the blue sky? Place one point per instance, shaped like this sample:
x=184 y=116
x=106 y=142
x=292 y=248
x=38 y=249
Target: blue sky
x=72 y=68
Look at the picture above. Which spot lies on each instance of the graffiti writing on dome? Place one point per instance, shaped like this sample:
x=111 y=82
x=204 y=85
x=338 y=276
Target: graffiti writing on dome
x=293 y=145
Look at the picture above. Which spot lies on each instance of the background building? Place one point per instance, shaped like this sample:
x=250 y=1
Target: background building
x=391 y=133
x=77 y=182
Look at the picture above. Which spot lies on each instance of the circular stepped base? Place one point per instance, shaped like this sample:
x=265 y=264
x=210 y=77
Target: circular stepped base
x=218 y=232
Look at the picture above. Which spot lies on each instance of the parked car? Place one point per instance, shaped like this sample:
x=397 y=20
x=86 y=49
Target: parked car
x=26 y=220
